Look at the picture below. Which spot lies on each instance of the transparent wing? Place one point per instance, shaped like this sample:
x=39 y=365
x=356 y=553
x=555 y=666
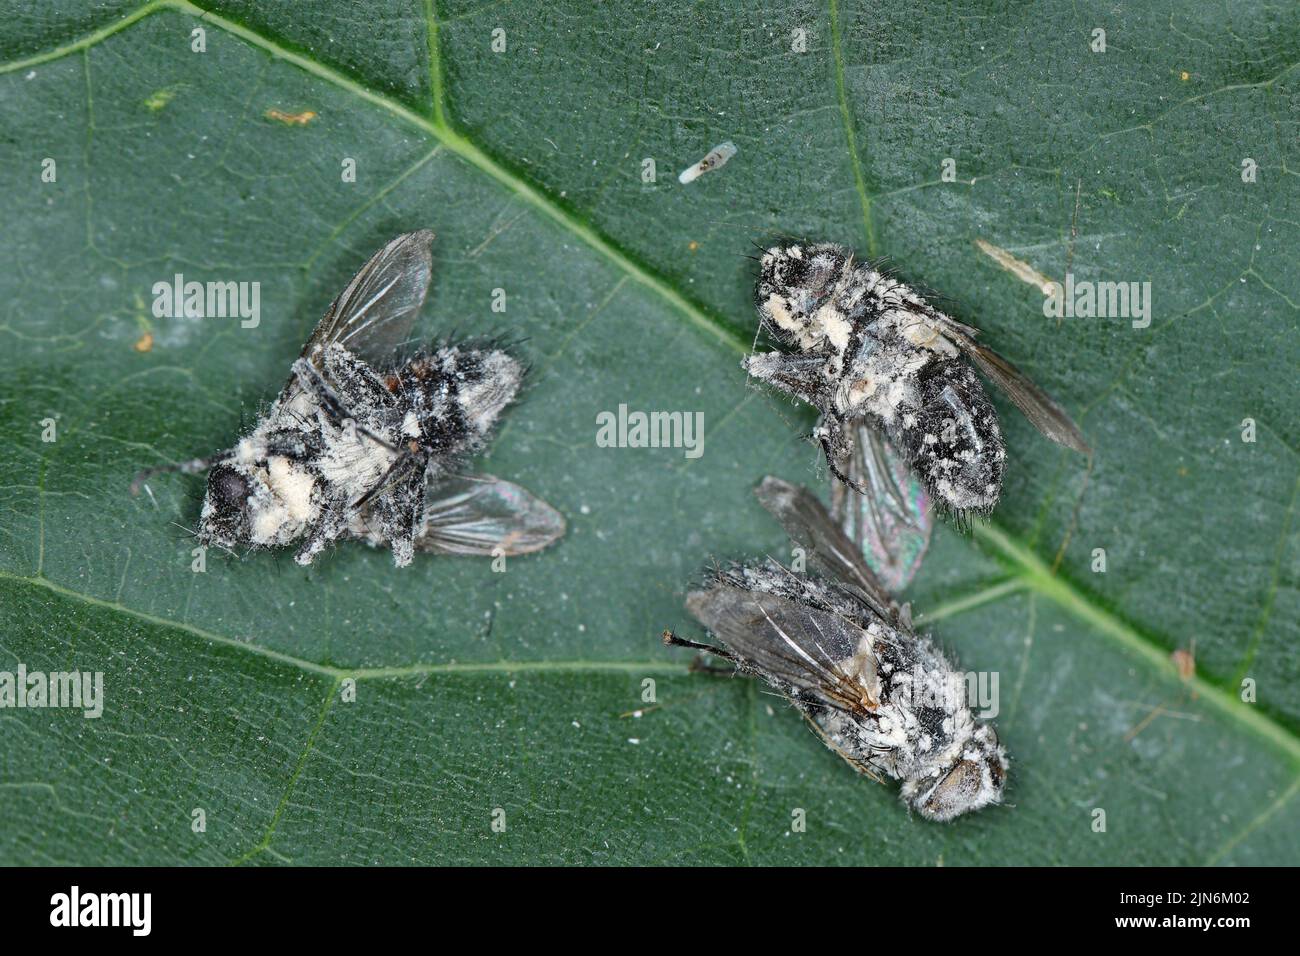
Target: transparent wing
x=1039 y=407
x=802 y=651
x=807 y=522
x=890 y=525
x=374 y=314
x=477 y=514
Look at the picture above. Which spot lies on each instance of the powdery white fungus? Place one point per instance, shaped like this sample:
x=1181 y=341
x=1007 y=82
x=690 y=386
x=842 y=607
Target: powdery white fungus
x=349 y=450
x=839 y=647
x=870 y=353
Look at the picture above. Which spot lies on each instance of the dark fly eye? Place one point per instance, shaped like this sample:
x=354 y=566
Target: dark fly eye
x=228 y=486
x=995 y=773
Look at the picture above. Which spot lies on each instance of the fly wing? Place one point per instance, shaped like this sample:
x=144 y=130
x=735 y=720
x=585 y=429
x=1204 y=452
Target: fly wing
x=1039 y=407
x=477 y=514
x=374 y=314
x=1036 y=405
x=807 y=522
x=891 y=524
x=801 y=650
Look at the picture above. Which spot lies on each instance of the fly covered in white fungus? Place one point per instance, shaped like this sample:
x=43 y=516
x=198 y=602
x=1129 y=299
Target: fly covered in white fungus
x=868 y=351
x=844 y=654
x=365 y=438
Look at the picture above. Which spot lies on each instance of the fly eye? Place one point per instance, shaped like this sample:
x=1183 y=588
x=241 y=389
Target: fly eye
x=956 y=793
x=228 y=486
x=796 y=275
x=995 y=773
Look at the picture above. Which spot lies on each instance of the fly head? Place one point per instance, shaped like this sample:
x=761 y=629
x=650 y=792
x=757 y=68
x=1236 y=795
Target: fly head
x=977 y=779
x=795 y=281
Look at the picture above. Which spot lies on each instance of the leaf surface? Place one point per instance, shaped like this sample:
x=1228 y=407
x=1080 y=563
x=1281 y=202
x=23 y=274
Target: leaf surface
x=228 y=691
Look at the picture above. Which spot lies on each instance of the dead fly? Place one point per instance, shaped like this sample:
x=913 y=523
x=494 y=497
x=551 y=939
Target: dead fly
x=364 y=426
x=867 y=351
x=844 y=653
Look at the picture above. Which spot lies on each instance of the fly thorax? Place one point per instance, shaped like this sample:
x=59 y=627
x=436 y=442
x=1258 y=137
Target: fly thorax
x=892 y=729
x=856 y=394
x=301 y=407
x=294 y=485
x=919 y=331
x=789 y=317
x=411 y=426
x=879 y=382
x=776 y=308
x=351 y=463
x=831 y=323
x=841 y=730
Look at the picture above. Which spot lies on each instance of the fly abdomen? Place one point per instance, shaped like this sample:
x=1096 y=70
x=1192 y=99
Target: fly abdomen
x=457 y=394
x=950 y=437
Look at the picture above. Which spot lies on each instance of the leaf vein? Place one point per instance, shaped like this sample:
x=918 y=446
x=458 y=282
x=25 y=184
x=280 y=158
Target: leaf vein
x=568 y=666
x=849 y=134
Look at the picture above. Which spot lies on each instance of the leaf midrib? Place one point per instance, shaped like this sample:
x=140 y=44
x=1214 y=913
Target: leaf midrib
x=1025 y=566
x=357 y=673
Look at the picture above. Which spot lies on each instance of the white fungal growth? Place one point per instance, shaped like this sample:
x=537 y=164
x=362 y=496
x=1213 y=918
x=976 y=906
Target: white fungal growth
x=716 y=157
x=411 y=425
x=293 y=485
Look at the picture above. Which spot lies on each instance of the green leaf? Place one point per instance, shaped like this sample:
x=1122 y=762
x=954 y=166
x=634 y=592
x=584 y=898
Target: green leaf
x=227 y=691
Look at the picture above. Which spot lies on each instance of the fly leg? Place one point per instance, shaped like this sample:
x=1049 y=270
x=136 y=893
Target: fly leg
x=332 y=523
x=830 y=434
x=394 y=473
x=401 y=510
x=310 y=378
x=672 y=640
x=802 y=376
x=797 y=375
x=191 y=467
x=330 y=526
